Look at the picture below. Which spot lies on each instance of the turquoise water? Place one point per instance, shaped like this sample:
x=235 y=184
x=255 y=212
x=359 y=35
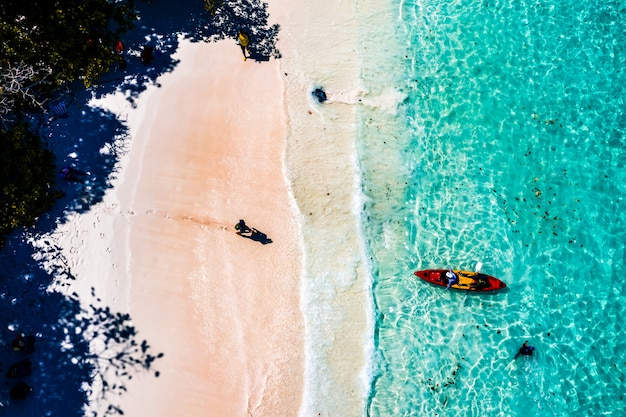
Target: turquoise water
x=508 y=150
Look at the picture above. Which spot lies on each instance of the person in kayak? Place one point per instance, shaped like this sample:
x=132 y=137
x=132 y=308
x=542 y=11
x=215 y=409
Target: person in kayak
x=525 y=350
x=452 y=278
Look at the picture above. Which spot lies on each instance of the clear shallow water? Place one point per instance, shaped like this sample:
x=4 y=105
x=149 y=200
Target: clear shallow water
x=508 y=149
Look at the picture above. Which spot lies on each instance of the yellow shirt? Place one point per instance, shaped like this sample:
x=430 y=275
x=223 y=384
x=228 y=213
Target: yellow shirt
x=244 y=39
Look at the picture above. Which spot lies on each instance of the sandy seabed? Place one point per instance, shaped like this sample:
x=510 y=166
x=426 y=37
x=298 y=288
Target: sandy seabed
x=246 y=328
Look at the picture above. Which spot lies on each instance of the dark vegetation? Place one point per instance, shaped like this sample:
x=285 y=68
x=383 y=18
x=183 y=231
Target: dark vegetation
x=52 y=50
x=46 y=45
x=27 y=177
x=55 y=56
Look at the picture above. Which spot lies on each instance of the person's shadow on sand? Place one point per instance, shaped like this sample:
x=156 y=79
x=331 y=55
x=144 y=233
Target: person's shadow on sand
x=257 y=236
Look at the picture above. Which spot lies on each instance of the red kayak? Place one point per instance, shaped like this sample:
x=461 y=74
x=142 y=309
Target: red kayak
x=468 y=280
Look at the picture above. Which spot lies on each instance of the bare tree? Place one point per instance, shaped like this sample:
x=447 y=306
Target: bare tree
x=17 y=85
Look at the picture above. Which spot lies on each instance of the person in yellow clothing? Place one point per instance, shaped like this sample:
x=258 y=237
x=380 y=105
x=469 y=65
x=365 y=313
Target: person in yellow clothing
x=243 y=40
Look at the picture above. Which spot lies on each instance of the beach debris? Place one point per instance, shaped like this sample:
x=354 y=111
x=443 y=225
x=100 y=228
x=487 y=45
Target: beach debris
x=320 y=95
x=449 y=380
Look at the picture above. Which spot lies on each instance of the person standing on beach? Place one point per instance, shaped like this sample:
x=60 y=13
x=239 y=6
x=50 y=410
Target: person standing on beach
x=243 y=40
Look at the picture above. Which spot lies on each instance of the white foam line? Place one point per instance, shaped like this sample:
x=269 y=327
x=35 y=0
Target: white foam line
x=367 y=373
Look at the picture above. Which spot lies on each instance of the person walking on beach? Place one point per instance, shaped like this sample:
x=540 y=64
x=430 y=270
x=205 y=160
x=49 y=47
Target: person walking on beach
x=243 y=40
x=525 y=350
x=242 y=227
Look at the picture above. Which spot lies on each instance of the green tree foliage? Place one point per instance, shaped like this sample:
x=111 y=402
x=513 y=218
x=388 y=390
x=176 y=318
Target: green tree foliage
x=43 y=45
x=26 y=177
x=74 y=39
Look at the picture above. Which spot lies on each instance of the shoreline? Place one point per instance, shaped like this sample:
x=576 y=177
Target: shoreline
x=324 y=176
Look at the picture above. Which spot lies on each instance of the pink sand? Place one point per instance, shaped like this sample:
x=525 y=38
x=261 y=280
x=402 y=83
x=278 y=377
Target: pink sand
x=224 y=309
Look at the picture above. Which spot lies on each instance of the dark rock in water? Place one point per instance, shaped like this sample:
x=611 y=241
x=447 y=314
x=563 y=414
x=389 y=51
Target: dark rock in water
x=20 y=391
x=320 y=95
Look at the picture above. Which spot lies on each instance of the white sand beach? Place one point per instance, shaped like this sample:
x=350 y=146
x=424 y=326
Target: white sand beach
x=246 y=328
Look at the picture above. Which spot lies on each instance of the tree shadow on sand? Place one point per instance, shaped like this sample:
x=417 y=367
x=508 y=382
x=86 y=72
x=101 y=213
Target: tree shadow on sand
x=91 y=139
x=83 y=352
x=163 y=23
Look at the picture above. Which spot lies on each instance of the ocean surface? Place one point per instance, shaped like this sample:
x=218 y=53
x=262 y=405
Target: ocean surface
x=493 y=133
